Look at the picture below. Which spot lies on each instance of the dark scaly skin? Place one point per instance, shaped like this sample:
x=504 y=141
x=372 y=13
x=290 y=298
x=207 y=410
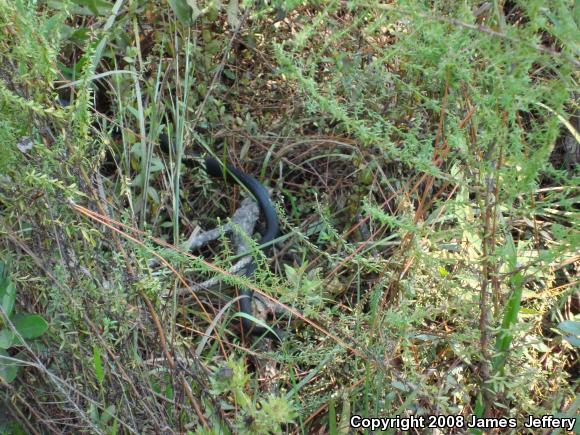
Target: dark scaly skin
x=216 y=168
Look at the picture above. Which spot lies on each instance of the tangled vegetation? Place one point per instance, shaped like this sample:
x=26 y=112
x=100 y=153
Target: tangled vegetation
x=422 y=156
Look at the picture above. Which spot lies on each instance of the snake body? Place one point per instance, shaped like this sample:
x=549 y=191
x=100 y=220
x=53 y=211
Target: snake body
x=216 y=168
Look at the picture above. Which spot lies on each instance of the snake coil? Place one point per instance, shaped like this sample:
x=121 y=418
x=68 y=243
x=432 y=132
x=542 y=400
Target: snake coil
x=216 y=168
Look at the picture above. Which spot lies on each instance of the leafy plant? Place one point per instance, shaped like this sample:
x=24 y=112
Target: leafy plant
x=266 y=415
x=428 y=231
x=15 y=326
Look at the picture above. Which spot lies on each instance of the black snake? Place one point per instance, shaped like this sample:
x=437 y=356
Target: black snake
x=216 y=168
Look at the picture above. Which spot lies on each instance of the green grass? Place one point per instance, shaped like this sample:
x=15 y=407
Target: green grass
x=429 y=243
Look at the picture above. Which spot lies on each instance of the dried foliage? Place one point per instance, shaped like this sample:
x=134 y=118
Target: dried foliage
x=418 y=154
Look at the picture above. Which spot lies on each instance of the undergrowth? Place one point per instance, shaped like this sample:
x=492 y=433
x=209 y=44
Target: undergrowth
x=428 y=259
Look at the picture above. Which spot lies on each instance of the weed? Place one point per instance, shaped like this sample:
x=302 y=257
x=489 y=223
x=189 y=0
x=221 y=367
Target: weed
x=428 y=260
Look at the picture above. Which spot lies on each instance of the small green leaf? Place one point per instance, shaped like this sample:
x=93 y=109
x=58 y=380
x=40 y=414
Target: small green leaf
x=195 y=10
x=256 y=321
x=98 y=365
x=115 y=428
x=292 y=274
x=7 y=296
x=232 y=11
x=153 y=194
x=8 y=369
x=530 y=311
x=6 y=339
x=541 y=347
x=108 y=414
x=94 y=412
x=400 y=386
x=30 y=325
x=97 y=7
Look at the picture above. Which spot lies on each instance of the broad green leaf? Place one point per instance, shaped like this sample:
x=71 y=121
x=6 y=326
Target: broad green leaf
x=181 y=10
x=30 y=325
x=570 y=327
x=8 y=368
x=6 y=339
